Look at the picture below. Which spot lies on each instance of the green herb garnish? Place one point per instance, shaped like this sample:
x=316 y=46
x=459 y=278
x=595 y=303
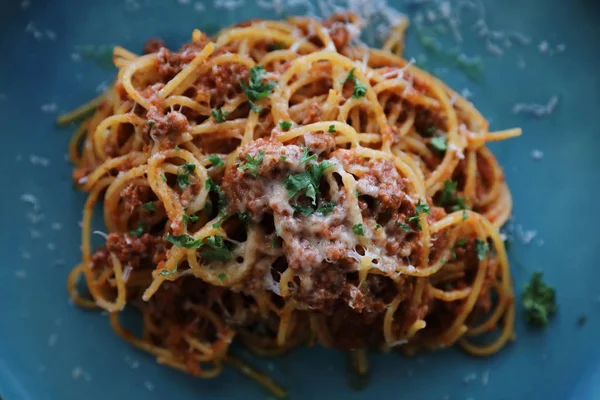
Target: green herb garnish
x=439 y=143
x=404 y=227
x=358 y=229
x=307 y=182
x=360 y=90
x=305 y=157
x=421 y=208
x=187 y=218
x=185 y=241
x=539 y=301
x=219 y=115
x=222 y=276
x=482 y=248
x=285 y=125
x=166 y=272
x=215 y=160
x=183 y=174
x=149 y=206
x=256 y=89
x=138 y=230
x=331 y=129
x=252 y=163
x=214 y=249
x=449 y=197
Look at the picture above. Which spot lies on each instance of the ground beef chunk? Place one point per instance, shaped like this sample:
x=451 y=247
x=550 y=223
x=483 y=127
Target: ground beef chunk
x=171 y=63
x=223 y=82
x=134 y=196
x=145 y=251
x=153 y=45
x=171 y=123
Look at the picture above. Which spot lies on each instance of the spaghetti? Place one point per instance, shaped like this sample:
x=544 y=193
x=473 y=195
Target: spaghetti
x=278 y=185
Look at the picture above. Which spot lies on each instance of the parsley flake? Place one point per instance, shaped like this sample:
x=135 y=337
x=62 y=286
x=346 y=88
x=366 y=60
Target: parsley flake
x=482 y=248
x=285 y=125
x=138 y=230
x=539 y=301
x=183 y=174
x=219 y=115
x=256 y=89
x=215 y=160
x=185 y=241
x=215 y=249
x=187 y=218
x=305 y=157
x=222 y=276
x=358 y=229
x=149 y=206
x=360 y=90
x=252 y=163
x=163 y=177
x=439 y=143
x=421 y=208
x=331 y=129
x=166 y=272
x=307 y=182
x=404 y=227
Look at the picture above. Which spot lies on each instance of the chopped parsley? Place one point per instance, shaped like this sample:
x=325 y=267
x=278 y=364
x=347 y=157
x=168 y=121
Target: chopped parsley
x=285 y=125
x=356 y=193
x=222 y=276
x=151 y=123
x=215 y=160
x=163 y=177
x=360 y=90
x=465 y=215
x=326 y=208
x=358 y=229
x=404 y=227
x=252 y=163
x=283 y=158
x=138 y=230
x=377 y=227
x=460 y=242
x=185 y=241
x=539 y=301
x=245 y=218
x=256 y=89
x=149 y=206
x=187 y=218
x=166 y=272
x=331 y=129
x=213 y=248
x=422 y=208
x=307 y=182
x=449 y=197
x=323 y=209
x=304 y=210
x=177 y=148
x=211 y=186
x=439 y=143
x=218 y=115
x=183 y=174
x=305 y=157
x=482 y=248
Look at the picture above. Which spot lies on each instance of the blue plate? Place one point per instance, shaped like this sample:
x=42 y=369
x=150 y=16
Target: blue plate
x=52 y=59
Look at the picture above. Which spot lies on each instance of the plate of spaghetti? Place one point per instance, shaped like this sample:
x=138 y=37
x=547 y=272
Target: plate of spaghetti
x=294 y=205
